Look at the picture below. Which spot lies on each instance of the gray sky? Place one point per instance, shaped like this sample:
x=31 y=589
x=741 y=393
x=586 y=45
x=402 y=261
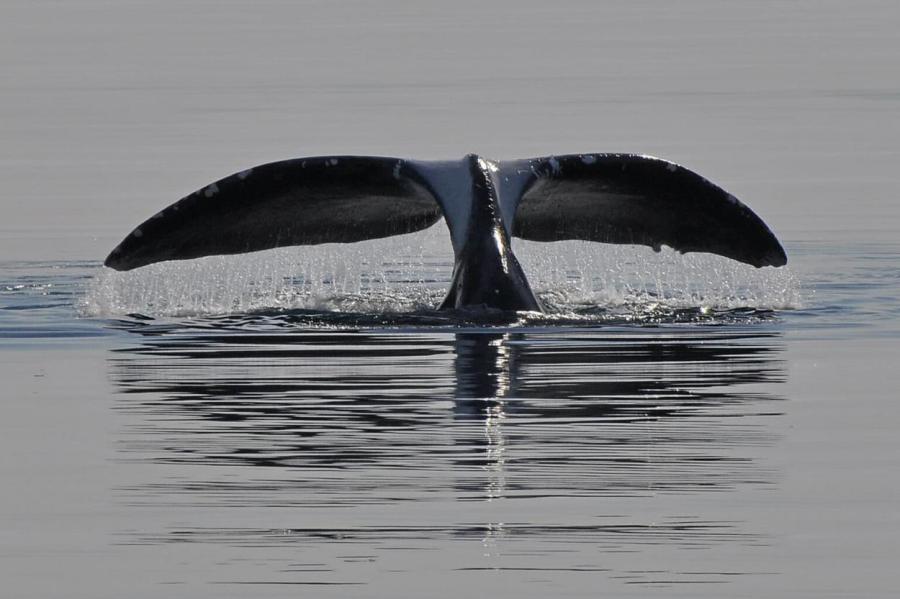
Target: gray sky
x=112 y=110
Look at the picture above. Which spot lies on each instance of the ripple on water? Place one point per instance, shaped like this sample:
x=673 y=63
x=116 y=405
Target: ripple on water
x=277 y=429
x=403 y=442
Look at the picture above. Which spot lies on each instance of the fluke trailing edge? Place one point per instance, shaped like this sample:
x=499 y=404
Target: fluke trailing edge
x=610 y=198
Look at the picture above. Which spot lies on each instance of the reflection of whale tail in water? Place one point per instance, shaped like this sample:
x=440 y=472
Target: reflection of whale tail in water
x=609 y=198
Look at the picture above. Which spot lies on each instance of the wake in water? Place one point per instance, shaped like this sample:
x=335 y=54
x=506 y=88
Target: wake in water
x=400 y=281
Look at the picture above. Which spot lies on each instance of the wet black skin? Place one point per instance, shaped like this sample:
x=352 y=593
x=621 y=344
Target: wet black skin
x=605 y=198
x=487 y=273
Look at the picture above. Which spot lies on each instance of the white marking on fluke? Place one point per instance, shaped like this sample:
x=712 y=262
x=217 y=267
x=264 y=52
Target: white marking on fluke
x=244 y=174
x=452 y=183
x=211 y=190
x=554 y=165
x=511 y=180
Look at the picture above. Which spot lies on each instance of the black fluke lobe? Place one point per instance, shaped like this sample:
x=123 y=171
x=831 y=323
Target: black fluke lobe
x=607 y=198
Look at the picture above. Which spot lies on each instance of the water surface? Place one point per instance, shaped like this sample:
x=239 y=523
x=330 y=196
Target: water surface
x=302 y=422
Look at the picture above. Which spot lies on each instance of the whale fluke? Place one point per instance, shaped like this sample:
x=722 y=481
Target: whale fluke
x=631 y=199
x=304 y=201
x=608 y=198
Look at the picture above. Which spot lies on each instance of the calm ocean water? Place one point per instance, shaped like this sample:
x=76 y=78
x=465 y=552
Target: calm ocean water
x=303 y=423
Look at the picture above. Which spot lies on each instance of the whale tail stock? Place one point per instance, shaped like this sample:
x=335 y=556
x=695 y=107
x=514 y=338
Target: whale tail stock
x=609 y=198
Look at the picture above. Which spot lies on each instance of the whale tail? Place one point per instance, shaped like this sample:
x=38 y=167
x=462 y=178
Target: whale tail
x=305 y=201
x=609 y=198
x=631 y=199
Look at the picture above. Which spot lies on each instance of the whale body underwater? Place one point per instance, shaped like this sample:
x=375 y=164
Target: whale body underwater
x=607 y=198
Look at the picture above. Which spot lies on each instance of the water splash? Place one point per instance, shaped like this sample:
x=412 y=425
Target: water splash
x=410 y=274
x=579 y=275
x=401 y=274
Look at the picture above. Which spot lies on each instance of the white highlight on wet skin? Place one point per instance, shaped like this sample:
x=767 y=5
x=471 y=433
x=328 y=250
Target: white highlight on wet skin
x=488 y=165
x=499 y=240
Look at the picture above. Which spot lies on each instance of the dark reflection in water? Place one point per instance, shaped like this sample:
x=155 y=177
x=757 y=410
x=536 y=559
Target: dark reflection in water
x=591 y=441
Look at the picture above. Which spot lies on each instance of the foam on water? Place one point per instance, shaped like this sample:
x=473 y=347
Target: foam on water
x=410 y=274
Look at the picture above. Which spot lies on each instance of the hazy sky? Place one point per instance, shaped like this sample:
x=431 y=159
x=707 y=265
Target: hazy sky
x=112 y=110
